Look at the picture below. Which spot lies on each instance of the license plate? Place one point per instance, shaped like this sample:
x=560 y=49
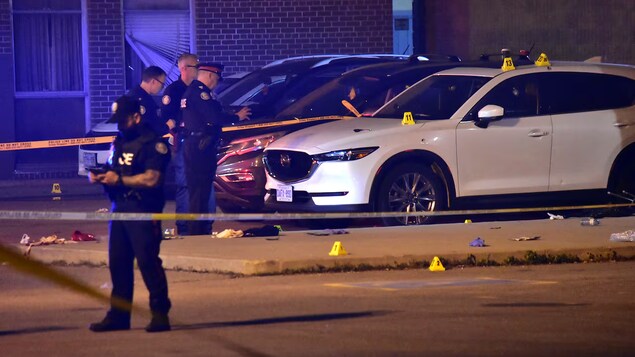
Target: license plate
x=284 y=194
x=90 y=160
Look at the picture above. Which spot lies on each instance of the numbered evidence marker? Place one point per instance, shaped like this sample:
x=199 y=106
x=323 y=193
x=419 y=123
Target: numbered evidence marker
x=337 y=250
x=56 y=190
x=543 y=61
x=407 y=119
x=436 y=265
x=508 y=64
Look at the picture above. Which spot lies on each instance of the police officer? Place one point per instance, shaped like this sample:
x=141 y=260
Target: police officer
x=152 y=82
x=171 y=115
x=134 y=182
x=203 y=117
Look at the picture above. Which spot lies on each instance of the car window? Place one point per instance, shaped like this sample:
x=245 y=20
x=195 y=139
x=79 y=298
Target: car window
x=435 y=98
x=366 y=93
x=585 y=92
x=520 y=96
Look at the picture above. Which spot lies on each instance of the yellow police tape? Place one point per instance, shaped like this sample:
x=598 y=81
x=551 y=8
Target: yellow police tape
x=39 y=270
x=43 y=272
x=97 y=216
x=44 y=144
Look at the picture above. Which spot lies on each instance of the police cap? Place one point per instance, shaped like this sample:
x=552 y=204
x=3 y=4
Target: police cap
x=211 y=67
x=124 y=107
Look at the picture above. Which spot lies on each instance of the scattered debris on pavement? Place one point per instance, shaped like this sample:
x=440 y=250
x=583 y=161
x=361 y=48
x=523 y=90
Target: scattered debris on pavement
x=26 y=240
x=52 y=239
x=106 y=286
x=264 y=231
x=555 y=217
x=590 y=222
x=102 y=210
x=228 y=233
x=328 y=232
x=78 y=236
x=478 y=242
x=523 y=239
x=628 y=236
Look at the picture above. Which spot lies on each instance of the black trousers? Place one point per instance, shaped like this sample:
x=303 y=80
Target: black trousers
x=200 y=169
x=140 y=240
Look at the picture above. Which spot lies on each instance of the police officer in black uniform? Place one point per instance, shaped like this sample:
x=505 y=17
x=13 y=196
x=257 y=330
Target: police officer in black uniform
x=171 y=115
x=203 y=117
x=133 y=180
x=152 y=82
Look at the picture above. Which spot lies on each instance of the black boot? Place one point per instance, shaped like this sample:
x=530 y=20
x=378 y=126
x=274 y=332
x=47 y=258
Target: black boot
x=159 y=323
x=110 y=324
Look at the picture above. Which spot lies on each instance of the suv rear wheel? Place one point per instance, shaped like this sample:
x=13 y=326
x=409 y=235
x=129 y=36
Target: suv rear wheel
x=410 y=188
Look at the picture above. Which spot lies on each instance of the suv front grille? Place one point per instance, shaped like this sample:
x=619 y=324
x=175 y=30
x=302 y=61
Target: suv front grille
x=288 y=166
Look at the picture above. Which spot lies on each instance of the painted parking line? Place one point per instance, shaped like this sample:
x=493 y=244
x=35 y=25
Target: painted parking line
x=420 y=284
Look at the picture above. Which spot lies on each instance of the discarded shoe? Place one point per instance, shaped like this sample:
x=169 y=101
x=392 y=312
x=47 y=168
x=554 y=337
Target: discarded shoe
x=109 y=324
x=159 y=323
x=78 y=236
x=26 y=240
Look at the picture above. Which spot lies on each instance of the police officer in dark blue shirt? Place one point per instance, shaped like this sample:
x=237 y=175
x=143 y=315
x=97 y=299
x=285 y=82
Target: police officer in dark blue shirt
x=152 y=82
x=171 y=115
x=133 y=179
x=203 y=117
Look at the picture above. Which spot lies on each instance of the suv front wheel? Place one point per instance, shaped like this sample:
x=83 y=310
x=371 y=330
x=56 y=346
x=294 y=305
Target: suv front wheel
x=410 y=188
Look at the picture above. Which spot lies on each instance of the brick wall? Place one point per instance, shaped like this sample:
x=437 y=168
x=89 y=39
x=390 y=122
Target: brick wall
x=106 y=56
x=246 y=34
x=565 y=30
x=5 y=28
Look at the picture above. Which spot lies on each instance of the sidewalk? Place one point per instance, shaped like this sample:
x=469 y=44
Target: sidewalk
x=370 y=247
x=25 y=189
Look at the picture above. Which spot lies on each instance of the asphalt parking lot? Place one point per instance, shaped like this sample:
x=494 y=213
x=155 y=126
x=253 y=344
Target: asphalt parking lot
x=557 y=310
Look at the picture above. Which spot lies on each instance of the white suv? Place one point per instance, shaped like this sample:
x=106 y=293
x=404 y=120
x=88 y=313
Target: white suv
x=477 y=132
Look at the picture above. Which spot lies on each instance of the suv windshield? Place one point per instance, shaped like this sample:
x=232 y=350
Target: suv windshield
x=435 y=98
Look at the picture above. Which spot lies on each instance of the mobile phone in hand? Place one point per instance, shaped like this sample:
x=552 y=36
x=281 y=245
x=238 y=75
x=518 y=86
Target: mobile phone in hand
x=97 y=170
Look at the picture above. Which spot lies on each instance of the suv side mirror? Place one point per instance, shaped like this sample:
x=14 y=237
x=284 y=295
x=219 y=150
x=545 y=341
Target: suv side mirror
x=488 y=114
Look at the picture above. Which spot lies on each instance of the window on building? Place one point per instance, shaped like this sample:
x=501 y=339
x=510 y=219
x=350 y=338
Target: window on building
x=48 y=45
x=156 y=33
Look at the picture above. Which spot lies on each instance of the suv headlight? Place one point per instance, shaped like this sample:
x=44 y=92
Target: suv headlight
x=345 y=155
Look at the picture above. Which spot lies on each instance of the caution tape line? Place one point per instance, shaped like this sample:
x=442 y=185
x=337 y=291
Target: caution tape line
x=44 y=144
x=95 y=216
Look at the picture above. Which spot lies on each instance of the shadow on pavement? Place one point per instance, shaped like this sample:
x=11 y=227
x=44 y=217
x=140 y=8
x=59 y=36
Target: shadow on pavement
x=285 y=319
x=25 y=331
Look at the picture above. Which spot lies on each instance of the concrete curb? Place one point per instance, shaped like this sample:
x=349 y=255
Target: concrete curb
x=346 y=263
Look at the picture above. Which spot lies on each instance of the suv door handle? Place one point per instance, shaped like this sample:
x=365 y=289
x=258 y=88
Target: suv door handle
x=621 y=125
x=537 y=133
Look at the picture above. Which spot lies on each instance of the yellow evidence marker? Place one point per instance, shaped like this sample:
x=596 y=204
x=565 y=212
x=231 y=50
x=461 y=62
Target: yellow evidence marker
x=436 y=265
x=337 y=250
x=407 y=119
x=508 y=64
x=542 y=61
